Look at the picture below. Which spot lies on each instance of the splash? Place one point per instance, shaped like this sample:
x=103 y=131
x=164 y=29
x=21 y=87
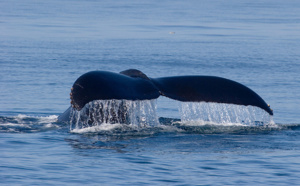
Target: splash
x=27 y=124
x=139 y=113
x=202 y=113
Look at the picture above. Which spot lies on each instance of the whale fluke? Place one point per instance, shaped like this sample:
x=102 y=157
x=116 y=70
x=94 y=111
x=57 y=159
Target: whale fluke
x=135 y=85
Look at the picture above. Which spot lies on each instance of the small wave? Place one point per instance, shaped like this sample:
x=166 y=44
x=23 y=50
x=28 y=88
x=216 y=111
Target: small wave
x=126 y=129
x=97 y=129
x=226 y=128
x=139 y=117
x=170 y=125
x=28 y=124
x=25 y=124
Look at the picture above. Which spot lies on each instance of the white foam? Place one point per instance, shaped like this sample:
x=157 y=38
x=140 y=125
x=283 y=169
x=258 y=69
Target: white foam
x=98 y=128
x=13 y=125
x=21 y=116
x=29 y=123
x=48 y=119
x=51 y=125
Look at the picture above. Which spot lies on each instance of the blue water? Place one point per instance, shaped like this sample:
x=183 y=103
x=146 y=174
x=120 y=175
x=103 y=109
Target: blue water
x=46 y=45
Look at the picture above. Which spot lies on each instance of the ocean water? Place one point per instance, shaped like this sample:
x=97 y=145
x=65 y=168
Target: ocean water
x=46 y=45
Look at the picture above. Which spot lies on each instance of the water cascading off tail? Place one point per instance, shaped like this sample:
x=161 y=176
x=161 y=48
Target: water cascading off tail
x=142 y=113
x=139 y=113
x=226 y=114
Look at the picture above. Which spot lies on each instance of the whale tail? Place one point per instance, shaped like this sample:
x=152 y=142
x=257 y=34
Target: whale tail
x=135 y=85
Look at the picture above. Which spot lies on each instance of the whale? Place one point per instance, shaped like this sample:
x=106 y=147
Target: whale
x=133 y=84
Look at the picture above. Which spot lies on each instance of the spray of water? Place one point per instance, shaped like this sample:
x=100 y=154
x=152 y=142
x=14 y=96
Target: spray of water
x=135 y=113
x=224 y=114
x=142 y=113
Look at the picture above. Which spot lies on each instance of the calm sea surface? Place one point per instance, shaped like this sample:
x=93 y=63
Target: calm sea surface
x=46 y=45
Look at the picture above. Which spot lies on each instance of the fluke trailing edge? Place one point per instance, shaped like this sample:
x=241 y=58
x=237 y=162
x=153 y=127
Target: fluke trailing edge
x=135 y=85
